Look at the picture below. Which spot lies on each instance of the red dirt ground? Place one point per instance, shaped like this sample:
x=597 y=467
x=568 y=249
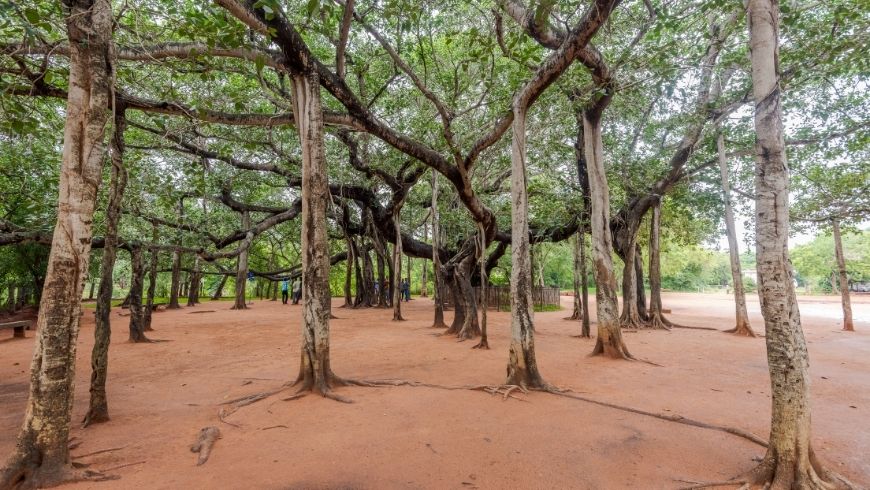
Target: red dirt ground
x=161 y=394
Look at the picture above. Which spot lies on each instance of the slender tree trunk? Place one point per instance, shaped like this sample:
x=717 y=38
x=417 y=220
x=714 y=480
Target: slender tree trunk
x=848 y=325
x=436 y=257
x=578 y=305
x=484 y=286
x=639 y=287
x=609 y=341
x=176 y=280
x=41 y=457
x=742 y=326
x=91 y=290
x=585 y=331
x=10 y=299
x=242 y=268
x=630 y=317
x=195 y=278
x=657 y=317
x=424 y=275
x=790 y=462
x=98 y=408
x=522 y=366
x=137 y=325
x=219 y=291
x=315 y=373
x=152 y=285
x=397 y=265
x=348 y=276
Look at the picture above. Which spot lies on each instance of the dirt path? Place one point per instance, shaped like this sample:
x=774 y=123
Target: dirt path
x=162 y=394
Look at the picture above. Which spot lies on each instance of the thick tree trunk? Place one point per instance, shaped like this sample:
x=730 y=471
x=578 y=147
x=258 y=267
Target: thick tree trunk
x=609 y=341
x=451 y=283
x=242 y=268
x=790 y=462
x=438 y=274
x=742 y=326
x=41 y=456
x=522 y=368
x=98 y=408
x=137 y=325
x=470 y=327
x=397 y=265
x=848 y=325
x=315 y=373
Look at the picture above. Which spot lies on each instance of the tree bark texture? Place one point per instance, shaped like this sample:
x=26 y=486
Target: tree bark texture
x=397 y=265
x=438 y=275
x=790 y=462
x=41 y=457
x=315 y=373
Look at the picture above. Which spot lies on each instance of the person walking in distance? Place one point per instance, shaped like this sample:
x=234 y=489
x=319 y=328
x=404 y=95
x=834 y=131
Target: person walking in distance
x=285 y=290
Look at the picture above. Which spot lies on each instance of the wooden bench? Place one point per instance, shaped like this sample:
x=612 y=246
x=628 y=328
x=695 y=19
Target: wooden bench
x=18 y=328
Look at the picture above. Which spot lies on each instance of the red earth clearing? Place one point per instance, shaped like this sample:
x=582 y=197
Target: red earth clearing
x=162 y=394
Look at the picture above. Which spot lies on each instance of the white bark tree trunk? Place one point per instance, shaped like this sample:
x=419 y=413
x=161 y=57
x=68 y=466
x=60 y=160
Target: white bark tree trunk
x=315 y=373
x=742 y=326
x=522 y=367
x=609 y=341
x=790 y=461
x=41 y=457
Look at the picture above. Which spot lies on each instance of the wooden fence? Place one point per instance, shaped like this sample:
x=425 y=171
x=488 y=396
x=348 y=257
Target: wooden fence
x=499 y=297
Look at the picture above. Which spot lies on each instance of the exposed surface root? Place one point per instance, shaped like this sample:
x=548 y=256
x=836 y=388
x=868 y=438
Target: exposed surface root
x=694 y=328
x=440 y=325
x=204 y=443
x=743 y=330
x=670 y=418
x=101 y=451
x=96 y=415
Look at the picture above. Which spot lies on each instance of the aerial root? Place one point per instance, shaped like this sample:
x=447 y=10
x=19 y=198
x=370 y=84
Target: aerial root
x=674 y=325
x=204 y=443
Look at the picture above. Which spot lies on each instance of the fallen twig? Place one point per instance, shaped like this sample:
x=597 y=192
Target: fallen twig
x=207 y=437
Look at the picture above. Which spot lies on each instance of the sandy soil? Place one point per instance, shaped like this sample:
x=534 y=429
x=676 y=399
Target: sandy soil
x=161 y=394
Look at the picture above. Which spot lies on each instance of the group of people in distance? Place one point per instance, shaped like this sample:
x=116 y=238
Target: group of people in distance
x=405 y=286
x=285 y=291
x=297 y=290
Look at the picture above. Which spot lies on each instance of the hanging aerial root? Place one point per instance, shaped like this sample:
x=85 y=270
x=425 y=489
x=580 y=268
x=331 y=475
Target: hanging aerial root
x=204 y=443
